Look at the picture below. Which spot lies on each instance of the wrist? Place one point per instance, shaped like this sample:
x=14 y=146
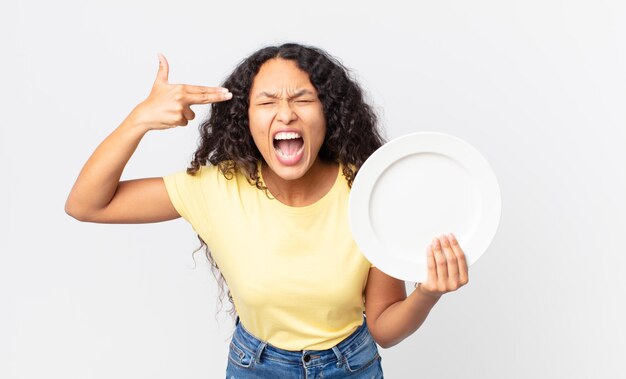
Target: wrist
x=134 y=123
x=419 y=289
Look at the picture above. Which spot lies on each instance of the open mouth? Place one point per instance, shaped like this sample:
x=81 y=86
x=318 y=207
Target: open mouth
x=289 y=147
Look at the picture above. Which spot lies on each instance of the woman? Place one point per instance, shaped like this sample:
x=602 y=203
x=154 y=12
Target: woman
x=267 y=193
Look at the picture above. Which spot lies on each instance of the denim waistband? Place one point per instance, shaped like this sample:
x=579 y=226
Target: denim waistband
x=260 y=349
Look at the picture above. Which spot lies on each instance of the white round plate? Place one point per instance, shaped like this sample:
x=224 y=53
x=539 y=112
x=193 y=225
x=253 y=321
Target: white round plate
x=416 y=187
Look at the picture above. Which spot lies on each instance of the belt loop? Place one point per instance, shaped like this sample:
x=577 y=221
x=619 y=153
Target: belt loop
x=259 y=351
x=339 y=356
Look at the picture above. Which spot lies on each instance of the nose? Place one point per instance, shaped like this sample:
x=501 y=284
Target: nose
x=285 y=113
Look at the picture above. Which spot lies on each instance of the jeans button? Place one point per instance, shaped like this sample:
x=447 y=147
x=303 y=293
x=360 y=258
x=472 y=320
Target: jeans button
x=307 y=357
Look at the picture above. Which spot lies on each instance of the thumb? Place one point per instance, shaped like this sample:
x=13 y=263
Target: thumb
x=164 y=69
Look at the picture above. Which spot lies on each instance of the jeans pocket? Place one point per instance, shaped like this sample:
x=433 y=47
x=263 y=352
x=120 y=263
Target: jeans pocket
x=362 y=357
x=239 y=356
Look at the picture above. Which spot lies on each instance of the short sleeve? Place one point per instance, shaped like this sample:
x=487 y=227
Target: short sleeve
x=181 y=188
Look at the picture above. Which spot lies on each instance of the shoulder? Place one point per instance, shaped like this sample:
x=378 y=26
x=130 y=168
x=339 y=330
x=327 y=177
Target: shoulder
x=185 y=175
x=223 y=174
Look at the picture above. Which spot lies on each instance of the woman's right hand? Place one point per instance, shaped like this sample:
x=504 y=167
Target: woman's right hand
x=168 y=105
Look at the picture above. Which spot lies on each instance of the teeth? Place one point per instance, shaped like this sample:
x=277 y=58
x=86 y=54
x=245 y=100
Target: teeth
x=287 y=135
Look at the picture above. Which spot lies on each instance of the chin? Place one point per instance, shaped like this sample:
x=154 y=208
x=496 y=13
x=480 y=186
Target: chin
x=285 y=172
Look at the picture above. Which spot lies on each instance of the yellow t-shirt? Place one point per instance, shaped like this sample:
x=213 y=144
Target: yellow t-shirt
x=296 y=276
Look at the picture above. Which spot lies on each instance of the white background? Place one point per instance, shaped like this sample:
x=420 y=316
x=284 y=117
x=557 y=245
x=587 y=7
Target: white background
x=539 y=87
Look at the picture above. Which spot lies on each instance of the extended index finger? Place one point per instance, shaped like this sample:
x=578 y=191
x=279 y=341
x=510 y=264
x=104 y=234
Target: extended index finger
x=206 y=98
x=203 y=89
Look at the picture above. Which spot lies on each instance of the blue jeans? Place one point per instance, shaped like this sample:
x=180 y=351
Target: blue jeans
x=354 y=357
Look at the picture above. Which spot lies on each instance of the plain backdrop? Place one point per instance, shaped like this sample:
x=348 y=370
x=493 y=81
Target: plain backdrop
x=538 y=87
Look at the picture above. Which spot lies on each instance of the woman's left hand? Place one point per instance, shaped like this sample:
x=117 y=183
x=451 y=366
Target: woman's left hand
x=447 y=267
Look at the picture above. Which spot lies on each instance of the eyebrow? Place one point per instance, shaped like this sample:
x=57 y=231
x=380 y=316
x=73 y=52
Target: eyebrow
x=275 y=95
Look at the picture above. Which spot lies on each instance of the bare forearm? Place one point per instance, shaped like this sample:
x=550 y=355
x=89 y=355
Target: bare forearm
x=98 y=180
x=403 y=318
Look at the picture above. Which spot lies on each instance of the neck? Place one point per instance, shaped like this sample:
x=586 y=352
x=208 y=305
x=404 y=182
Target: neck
x=303 y=191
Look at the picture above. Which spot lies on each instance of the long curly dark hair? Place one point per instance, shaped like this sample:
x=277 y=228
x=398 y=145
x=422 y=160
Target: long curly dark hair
x=352 y=133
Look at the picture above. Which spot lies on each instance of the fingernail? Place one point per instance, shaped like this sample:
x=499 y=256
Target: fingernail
x=225 y=90
x=228 y=95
